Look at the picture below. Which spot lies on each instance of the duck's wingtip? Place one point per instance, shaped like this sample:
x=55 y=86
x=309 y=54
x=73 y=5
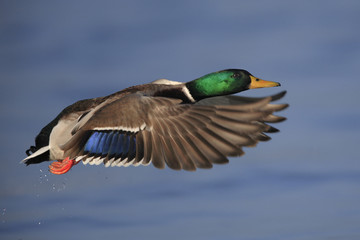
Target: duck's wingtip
x=278 y=95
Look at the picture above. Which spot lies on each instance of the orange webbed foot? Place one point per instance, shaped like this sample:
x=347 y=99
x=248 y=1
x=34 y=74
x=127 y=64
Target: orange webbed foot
x=61 y=167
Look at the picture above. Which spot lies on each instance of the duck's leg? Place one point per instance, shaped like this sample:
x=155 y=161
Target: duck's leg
x=61 y=167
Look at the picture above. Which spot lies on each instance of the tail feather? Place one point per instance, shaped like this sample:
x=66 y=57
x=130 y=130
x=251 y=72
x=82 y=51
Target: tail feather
x=41 y=155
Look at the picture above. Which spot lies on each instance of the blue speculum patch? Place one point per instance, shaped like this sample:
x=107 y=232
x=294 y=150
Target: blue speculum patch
x=111 y=143
x=107 y=143
x=92 y=141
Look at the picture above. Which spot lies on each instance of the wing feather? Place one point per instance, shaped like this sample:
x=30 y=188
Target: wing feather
x=166 y=131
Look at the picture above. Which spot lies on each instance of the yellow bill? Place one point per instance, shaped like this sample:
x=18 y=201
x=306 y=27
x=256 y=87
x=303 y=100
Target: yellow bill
x=259 y=83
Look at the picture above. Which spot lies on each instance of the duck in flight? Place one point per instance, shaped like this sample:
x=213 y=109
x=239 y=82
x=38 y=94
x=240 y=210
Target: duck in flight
x=182 y=125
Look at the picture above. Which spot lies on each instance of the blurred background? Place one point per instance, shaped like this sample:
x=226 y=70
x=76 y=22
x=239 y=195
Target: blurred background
x=303 y=184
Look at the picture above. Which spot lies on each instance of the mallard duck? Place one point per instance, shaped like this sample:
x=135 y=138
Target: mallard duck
x=182 y=125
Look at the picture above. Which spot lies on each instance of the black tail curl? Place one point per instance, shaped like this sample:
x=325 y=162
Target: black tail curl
x=31 y=150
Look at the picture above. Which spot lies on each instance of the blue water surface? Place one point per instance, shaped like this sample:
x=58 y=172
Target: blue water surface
x=302 y=185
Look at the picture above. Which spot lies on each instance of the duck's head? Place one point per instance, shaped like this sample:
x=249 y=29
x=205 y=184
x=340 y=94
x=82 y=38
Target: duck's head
x=226 y=82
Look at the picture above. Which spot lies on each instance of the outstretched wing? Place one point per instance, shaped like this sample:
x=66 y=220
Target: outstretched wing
x=139 y=129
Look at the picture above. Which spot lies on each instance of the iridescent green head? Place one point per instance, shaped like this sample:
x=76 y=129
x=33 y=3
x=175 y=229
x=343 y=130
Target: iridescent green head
x=225 y=82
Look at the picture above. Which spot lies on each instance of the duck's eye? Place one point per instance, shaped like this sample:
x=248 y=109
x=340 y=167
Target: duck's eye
x=257 y=79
